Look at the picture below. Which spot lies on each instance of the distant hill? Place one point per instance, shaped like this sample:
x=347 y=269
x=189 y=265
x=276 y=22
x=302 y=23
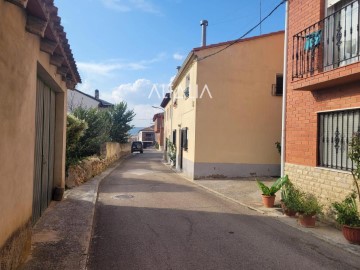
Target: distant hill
x=135 y=130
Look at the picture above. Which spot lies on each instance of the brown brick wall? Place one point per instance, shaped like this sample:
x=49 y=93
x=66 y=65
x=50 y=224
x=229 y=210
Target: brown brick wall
x=302 y=106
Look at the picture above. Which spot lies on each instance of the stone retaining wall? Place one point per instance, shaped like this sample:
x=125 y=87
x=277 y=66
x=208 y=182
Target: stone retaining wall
x=327 y=184
x=92 y=166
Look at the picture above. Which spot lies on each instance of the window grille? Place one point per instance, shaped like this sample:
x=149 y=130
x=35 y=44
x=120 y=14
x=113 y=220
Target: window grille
x=335 y=132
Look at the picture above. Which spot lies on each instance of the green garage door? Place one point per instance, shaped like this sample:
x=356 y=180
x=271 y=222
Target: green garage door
x=44 y=149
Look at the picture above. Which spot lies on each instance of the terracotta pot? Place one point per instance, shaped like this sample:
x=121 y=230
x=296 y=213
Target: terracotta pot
x=268 y=201
x=307 y=221
x=290 y=212
x=287 y=211
x=352 y=234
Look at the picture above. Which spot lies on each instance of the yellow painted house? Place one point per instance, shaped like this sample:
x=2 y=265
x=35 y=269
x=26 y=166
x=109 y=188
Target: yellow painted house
x=37 y=68
x=224 y=115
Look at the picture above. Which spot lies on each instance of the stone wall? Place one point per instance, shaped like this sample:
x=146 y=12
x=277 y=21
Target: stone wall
x=92 y=166
x=327 y=184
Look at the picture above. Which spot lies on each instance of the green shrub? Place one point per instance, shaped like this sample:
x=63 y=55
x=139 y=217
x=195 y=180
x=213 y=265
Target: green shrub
x=309 y=205
x=75 y=129
x=346 y=211
x=172 y=152
x=354 y=155
x=291 y=196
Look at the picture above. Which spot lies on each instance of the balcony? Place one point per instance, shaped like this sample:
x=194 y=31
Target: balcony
x=326 y=53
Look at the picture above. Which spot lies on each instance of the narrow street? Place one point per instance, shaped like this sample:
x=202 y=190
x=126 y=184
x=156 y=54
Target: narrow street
x=148 y=217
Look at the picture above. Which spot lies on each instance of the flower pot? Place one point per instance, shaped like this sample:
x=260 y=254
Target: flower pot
x=307 y=221
x=287 y=211
x=352 y=234
x=268 y=201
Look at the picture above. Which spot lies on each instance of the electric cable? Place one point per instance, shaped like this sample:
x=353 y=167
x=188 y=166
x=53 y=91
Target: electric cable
x=244 y=35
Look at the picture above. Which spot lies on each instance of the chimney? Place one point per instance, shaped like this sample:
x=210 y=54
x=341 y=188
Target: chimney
x=178 y=68
x=96 y=94
x=204 y=24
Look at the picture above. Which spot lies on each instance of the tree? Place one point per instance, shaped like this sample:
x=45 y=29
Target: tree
x=121 y=118
x=98 y=131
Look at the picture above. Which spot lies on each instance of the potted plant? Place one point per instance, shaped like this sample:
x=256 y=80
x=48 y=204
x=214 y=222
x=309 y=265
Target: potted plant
x=308 y=208
x=172 y=153
x=290 y=199
x=268 y=193
x=347 y=215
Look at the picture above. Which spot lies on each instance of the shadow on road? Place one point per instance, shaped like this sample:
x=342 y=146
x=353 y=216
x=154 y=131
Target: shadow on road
x=163 y=238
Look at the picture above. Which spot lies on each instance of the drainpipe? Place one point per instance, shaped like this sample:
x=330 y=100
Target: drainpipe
x=283 y=117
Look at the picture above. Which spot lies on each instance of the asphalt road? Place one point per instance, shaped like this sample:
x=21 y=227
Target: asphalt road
x=161 y=221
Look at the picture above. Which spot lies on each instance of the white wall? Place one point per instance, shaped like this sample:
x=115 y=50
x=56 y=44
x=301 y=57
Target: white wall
x=77 y=99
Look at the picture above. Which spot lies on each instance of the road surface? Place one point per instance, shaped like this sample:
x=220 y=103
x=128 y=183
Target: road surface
x=148 y=217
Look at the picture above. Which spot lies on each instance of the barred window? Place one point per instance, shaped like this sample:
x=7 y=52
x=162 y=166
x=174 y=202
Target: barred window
x=335 y=132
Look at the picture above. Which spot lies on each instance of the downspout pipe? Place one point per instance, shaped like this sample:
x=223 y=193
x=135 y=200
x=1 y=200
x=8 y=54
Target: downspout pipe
x=285 y=76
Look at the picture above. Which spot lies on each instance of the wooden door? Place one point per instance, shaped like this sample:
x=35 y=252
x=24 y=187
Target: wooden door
x=44 y=149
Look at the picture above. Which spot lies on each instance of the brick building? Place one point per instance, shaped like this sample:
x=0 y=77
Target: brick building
x=323 y=95
x=158 y=120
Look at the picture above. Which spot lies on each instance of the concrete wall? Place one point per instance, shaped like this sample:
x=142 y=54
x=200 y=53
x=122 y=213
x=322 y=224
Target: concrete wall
x=20 y=63
x=302 y=110
x=242 y=108
x=112 y=150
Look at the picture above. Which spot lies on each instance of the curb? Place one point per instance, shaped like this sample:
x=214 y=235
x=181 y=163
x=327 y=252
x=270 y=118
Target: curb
x=101 y=176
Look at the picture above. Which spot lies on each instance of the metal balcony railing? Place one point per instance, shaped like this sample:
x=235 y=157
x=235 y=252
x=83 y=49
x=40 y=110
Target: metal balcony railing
x=330 y=43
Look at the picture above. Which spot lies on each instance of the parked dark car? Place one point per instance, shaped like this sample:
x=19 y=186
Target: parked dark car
x=137 y=147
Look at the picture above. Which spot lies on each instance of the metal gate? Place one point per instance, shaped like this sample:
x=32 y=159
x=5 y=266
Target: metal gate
x=44 y=149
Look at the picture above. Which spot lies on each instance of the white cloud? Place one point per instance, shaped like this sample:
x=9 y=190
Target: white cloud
x=178 y=56
x=106 y=68
x=144 y=114
x=139 y=86
x=131 y=5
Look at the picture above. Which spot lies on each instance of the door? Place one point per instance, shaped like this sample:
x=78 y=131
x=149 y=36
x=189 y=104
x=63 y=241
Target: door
x=44 y=149
x=181 y=149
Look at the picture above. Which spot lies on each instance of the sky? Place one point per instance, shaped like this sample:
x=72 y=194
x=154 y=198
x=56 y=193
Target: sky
x=127 y=48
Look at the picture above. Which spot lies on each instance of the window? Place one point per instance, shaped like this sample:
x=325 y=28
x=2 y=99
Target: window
x=335 y=132
x=187 y=87
x=277 y=89
x=184 y=138
x=174 y=137
x=341 y=33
